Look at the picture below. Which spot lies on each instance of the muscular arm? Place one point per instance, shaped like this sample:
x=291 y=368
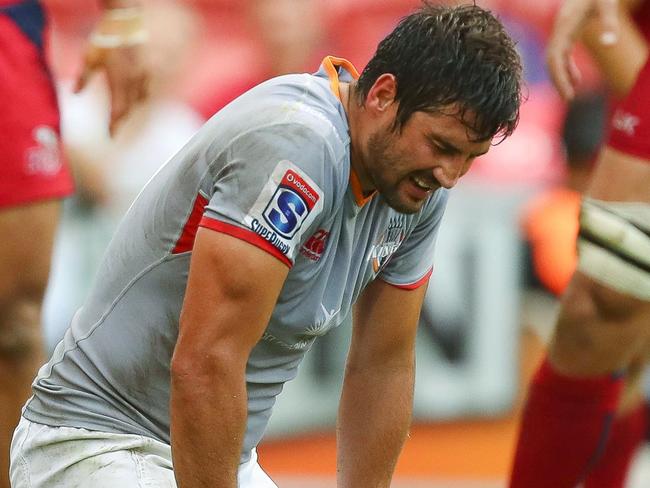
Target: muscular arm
x=376 y=403
x=232 y=289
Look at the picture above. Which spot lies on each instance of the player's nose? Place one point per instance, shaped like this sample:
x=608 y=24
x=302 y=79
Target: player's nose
x=448 y=173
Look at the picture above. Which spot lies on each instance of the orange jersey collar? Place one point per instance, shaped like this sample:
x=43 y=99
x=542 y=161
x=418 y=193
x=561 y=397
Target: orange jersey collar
x=331 y=63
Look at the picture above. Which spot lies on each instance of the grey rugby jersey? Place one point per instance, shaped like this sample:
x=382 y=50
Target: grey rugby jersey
x=272 y=168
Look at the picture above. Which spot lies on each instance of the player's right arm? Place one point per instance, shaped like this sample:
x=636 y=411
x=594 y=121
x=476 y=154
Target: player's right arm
x=232 y=289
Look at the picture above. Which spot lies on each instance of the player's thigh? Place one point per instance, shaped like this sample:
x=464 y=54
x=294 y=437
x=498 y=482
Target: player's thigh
x=28 y=233
x=599 y=329
x=48 y=457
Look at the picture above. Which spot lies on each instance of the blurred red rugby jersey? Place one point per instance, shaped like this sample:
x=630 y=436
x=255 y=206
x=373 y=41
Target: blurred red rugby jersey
x=629 y=126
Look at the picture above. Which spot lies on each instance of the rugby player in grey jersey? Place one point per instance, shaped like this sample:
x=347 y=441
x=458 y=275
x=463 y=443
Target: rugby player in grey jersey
x=304 y=196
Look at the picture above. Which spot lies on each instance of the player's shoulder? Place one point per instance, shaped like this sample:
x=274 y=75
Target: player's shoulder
x=308 y=100
x=291 y=117
x=305 y=107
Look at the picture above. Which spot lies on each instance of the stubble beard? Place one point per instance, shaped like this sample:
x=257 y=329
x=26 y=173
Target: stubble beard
x=384 y=163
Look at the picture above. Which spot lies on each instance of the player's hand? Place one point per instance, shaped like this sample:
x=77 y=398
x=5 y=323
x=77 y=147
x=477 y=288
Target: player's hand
x=117 y=48
x=568 y=22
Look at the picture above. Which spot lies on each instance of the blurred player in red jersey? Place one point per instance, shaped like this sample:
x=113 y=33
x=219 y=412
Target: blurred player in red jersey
x=34 y=177
x=603 y=330
x=550 y=220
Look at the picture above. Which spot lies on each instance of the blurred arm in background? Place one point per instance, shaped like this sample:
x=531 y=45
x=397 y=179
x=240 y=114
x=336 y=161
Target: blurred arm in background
x=116 y=47
x=604 y=27
x=110 y=171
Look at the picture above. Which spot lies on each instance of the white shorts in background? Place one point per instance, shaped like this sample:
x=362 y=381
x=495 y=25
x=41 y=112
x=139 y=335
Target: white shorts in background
x=65 y=457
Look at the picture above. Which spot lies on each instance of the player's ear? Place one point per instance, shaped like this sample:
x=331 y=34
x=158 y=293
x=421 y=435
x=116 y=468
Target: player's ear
x=382 y=93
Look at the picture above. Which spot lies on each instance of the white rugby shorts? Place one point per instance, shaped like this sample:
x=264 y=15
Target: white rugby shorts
x=61 y=457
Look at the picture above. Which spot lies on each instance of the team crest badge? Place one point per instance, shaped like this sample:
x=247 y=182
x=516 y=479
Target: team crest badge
x=388 y=242
x=315 y=245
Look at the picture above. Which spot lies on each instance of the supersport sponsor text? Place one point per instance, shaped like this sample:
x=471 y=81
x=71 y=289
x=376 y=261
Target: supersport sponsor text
x=272 y=237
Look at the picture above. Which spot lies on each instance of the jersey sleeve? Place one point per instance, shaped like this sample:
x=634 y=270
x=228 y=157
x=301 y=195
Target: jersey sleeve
x=412 y=264
x=272 y=188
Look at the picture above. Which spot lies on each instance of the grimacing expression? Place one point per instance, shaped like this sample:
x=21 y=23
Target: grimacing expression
x=432 y=150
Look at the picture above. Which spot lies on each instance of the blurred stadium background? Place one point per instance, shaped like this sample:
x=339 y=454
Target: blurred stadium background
x=491 y=301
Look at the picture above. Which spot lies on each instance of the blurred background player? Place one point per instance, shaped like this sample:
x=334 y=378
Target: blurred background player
x=602 y=333
x=34 y=176
x=551 y=227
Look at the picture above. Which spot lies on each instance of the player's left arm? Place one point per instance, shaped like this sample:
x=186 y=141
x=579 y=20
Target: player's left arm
x=377 y=398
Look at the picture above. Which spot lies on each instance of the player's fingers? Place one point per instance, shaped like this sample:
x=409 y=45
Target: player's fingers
x=82 y=80
x=119 y=106
x=562 y=71
x=125 y=94
x=90 y=65
x=92 y=59
x=574 y=72
x=142 y=88
x=609 y=21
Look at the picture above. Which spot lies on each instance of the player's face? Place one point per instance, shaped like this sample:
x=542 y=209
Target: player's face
x=431 y=151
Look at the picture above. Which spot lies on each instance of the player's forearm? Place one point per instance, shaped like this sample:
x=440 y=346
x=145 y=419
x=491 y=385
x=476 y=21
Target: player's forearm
x=374 y=418
x=208 y=417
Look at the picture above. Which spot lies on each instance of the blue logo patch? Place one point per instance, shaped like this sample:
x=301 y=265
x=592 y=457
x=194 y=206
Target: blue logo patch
x=290 y=205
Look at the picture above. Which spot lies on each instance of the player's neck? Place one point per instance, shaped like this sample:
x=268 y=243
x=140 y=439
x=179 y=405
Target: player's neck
x=348 y=95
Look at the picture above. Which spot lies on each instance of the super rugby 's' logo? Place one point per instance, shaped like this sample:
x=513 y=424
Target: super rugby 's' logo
x=292 y=201
x=388 y=242
x=287 y=204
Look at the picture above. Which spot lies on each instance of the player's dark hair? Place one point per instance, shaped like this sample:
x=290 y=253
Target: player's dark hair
x=444 y=55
